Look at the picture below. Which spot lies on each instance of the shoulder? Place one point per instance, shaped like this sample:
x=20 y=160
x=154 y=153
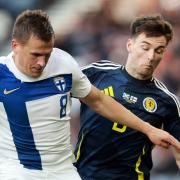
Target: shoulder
x=3 y=59
x=61 y=62
x=170 y=98
x=4 y=66
x=60 y=56
x=102 y=66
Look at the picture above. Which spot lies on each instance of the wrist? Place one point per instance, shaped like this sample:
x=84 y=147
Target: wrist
x=147 y=129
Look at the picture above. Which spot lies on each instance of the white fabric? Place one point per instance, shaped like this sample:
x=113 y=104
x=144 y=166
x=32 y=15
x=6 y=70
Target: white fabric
x=10 y=170
x=60 y=62
x=51 y=133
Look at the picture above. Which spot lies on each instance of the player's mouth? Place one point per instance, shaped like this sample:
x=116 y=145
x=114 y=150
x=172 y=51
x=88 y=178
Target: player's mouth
x=148 y=66
x=35 y=72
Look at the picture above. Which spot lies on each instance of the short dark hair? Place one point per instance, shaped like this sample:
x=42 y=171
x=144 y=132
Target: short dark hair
x=152 y=26
x=32 y=22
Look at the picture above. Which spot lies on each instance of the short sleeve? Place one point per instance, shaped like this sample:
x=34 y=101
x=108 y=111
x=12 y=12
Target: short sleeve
x=81 y=86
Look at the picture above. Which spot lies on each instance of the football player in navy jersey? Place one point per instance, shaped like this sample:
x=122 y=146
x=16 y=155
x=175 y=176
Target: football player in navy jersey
x=112 y=151
x=36 y=84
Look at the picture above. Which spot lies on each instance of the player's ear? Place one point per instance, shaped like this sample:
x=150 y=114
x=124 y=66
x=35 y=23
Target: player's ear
x=14 y=45
x=129 y=45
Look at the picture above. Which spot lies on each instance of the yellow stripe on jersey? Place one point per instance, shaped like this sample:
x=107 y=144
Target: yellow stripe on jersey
x=138 y=163
x=79 y=148
x=109 y=91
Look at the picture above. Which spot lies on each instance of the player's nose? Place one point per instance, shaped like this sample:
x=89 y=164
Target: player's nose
x=151 y=54
x=41 y=61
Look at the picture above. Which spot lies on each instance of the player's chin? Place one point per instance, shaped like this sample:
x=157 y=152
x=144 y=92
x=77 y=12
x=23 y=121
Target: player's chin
x=36 y=74
x=148 y=71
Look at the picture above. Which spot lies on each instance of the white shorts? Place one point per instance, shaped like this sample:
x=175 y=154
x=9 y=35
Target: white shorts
x=13 y=171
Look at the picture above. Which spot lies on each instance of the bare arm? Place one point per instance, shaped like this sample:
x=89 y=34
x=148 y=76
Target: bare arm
x=114 y=111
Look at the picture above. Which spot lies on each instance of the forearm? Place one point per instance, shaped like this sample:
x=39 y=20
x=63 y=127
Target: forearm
x=116 y=112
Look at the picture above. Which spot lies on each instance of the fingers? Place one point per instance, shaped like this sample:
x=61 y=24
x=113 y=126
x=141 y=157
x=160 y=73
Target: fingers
x=163 y=139
x=164 y=144
x=175 y=143
x=171 y=141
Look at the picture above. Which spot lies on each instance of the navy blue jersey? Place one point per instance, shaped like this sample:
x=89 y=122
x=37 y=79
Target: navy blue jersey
x=107 y=150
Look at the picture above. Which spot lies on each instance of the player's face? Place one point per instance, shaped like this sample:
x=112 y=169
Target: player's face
x=145 y=53
x=32 y=57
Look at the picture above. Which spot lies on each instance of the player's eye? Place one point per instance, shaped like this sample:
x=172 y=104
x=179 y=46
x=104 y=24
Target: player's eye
x=160 y=51
x=35 y=54
x=47 y=56
x=145 y=47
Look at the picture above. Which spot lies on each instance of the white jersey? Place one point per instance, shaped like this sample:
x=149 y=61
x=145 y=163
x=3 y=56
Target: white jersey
x=35 y=112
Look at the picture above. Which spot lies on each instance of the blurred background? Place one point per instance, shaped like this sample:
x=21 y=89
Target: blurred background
x=91 y=30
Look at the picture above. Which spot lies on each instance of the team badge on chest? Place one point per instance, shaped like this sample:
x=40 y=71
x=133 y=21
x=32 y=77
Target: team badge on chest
x=60 y=83
x=150 y=104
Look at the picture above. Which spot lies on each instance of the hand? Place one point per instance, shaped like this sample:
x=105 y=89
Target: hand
x=162 y=138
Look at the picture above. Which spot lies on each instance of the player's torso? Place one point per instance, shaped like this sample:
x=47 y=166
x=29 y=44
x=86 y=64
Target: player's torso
x=34 y=126
x=104 y=145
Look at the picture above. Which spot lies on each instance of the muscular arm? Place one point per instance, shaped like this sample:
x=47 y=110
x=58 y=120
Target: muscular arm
x=114 y=111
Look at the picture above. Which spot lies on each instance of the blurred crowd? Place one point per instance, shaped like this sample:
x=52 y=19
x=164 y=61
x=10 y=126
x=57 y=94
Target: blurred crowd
x=100 y=31
x=9 y=9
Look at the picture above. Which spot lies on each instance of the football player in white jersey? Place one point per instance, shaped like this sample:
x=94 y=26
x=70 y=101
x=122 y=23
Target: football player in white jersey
x=36 y=85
